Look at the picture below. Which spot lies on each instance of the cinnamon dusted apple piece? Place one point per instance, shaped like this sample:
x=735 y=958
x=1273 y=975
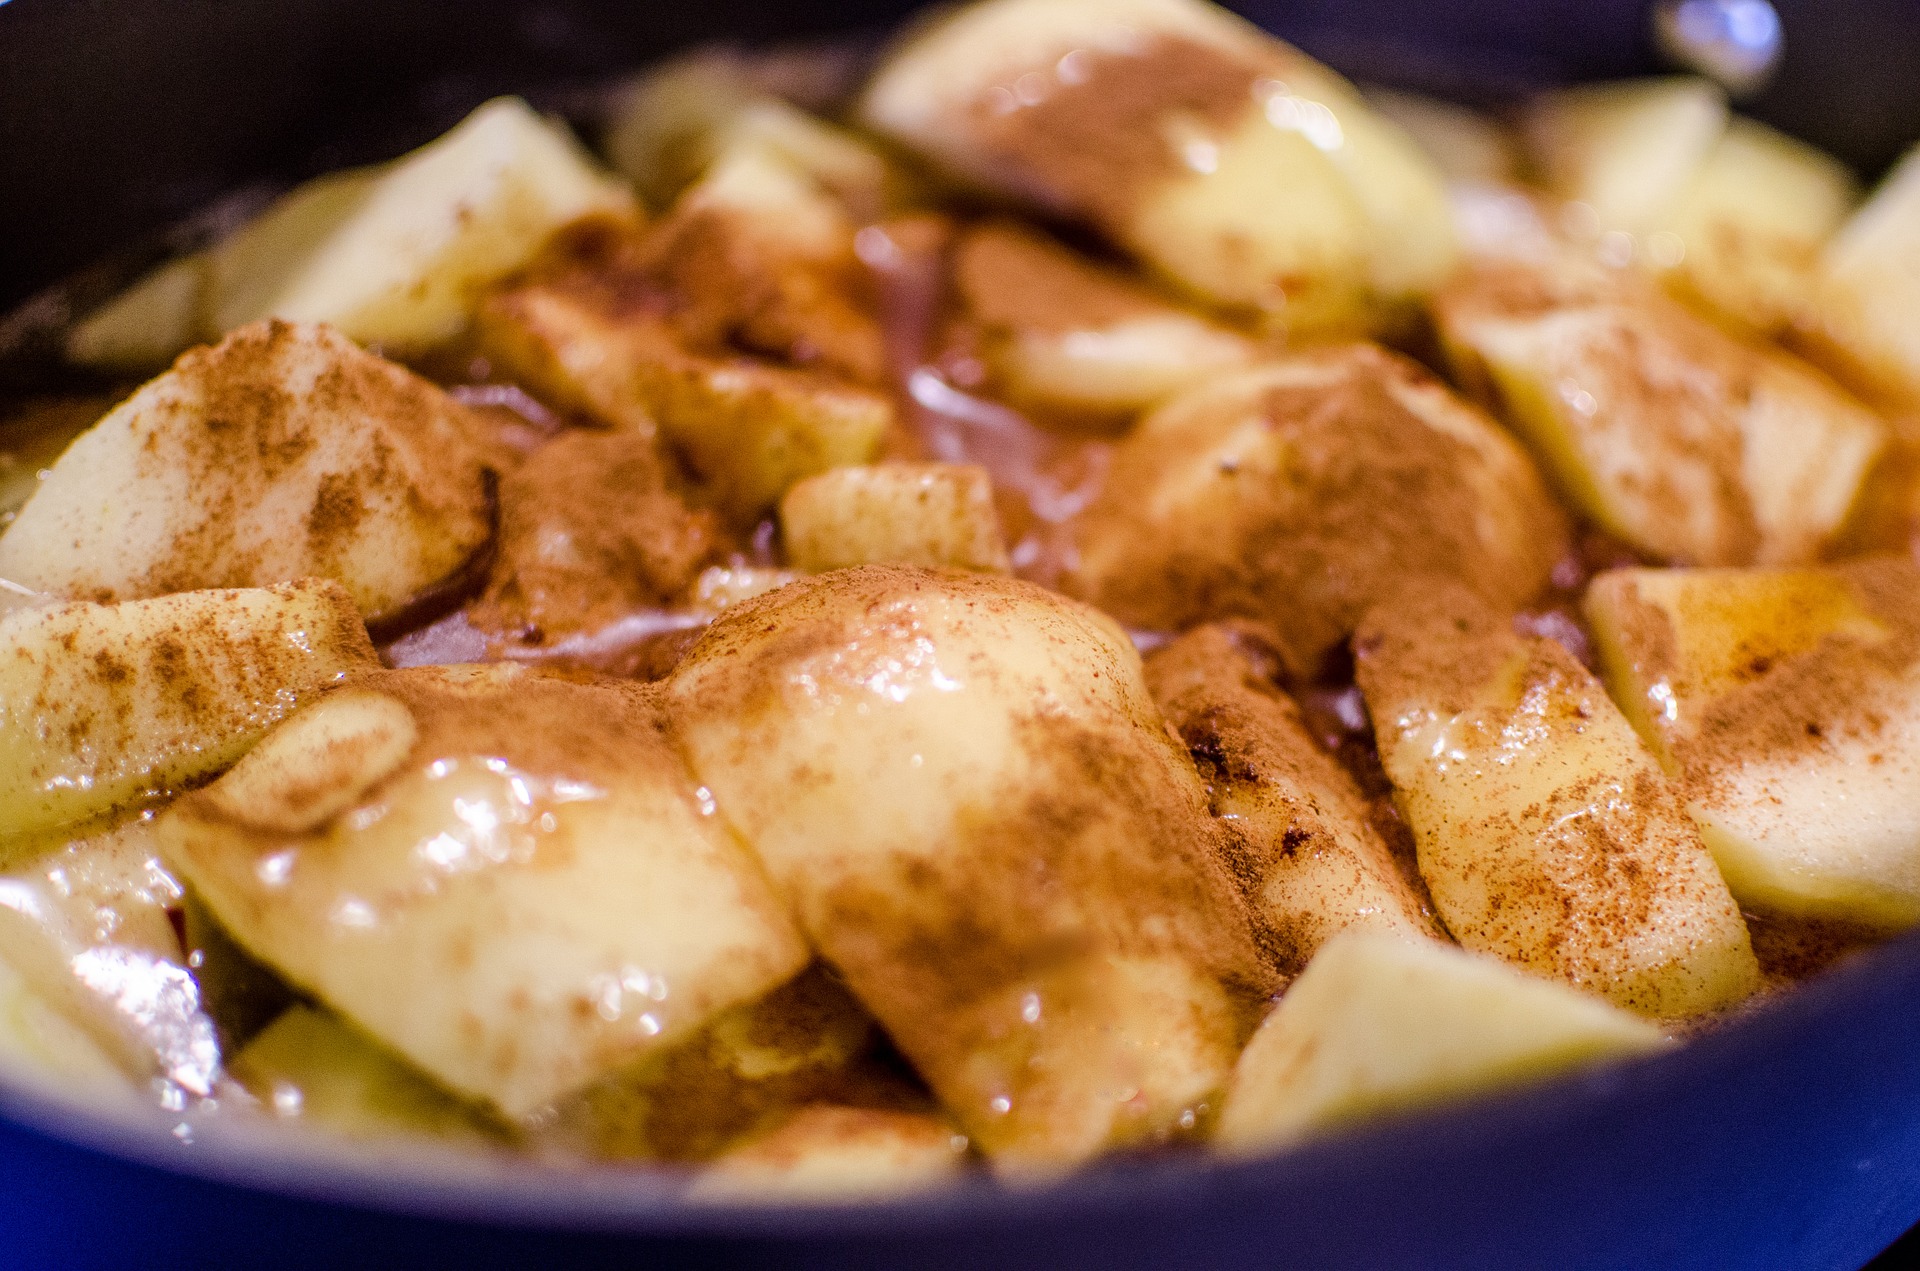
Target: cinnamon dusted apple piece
x=742 y=1074
x=1301 y=491
x=1869 y=288
x=395 y=255
x=104 y=707
x=591 y=531
x=829 y=1153
x=645 y=331
x=1685 y=442
x=283 y=452
x=963 y=787
x=508 y=879
x=1546 y=832
x=1787 y=702
x=1380 y=1025
x=1067 y=337
x=1293 y=826
x=1244 y=172
x=900 y=513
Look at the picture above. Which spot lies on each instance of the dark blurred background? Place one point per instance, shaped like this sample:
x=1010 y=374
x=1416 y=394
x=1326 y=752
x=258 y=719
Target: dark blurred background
x=121 y=116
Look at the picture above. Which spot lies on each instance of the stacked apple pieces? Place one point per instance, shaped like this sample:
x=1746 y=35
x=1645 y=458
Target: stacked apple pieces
x=903 y=860
x=1784 y=700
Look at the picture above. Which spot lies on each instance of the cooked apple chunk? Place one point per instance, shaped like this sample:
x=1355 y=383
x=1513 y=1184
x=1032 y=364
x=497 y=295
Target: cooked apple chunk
x=1546 y=832
x=148 y=325
x=1625 y=148
x=584 y=331
x=315 y=1068
x=508 y=879
x=1299 y=492
x=750 y=1068
x=590 y=531
x=1294 y=827
x=1788 y=703
x=1380 y=1024
x=1669 y=433
x=397 y=256
x=964 y=789
x=1068 y=337
x=1869 y=292
x=680 y=118
x=86 y=926
x=1230 y=163
x=829 y=1153
x=105 y=706
x=901 y=513
x=1750 y=226
x=284 y=452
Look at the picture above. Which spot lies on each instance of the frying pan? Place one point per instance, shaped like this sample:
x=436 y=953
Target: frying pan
x=1790 y=1139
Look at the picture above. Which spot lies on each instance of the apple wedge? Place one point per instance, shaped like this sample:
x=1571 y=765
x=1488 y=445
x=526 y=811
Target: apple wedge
x=1069 y=338
x=396 y=257
x=1298 y=492
x=1546 y=832
x=903 y=513
x=509 y=880
x=283 y=452
x=1294 y=830
x=750 y=1068
x=1869 y=288
x=107 y=706
x=962 y=786
x=752 y=257
x=1788 y=703
x=313 y=1067
x=1689 y=444
x=591 y=530
x=679 y=118
x=1750 y=228
x=146 y=326
x=1237 y=168
x=826 y=1153
x=1380 y=1025
x=1625 y=148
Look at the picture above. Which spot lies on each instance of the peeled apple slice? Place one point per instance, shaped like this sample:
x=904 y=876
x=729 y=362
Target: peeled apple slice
x=1379 y=1024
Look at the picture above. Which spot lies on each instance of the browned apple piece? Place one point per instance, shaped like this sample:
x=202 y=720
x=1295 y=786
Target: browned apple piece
x=284 y=452
x=1547 y=833
x=1692 y=446
x=1301 y=491
x=601 y=330
x=1294 y=830
x=741 y=1075
x=964 y=789
x=510 y=880
x=1070 y=338
x=591 y=530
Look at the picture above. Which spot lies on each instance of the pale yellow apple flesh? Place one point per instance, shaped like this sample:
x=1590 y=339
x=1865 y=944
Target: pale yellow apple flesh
x=510 y=880
x=1788 y=703
x=1380 y=1025
x=1547 y=833
x=903 y=513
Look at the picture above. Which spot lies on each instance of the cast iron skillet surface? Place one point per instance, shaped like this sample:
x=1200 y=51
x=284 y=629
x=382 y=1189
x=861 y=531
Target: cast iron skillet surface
x=1789 y=1140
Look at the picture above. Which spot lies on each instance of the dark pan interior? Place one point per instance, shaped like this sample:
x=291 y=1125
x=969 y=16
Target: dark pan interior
x=118 y=117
